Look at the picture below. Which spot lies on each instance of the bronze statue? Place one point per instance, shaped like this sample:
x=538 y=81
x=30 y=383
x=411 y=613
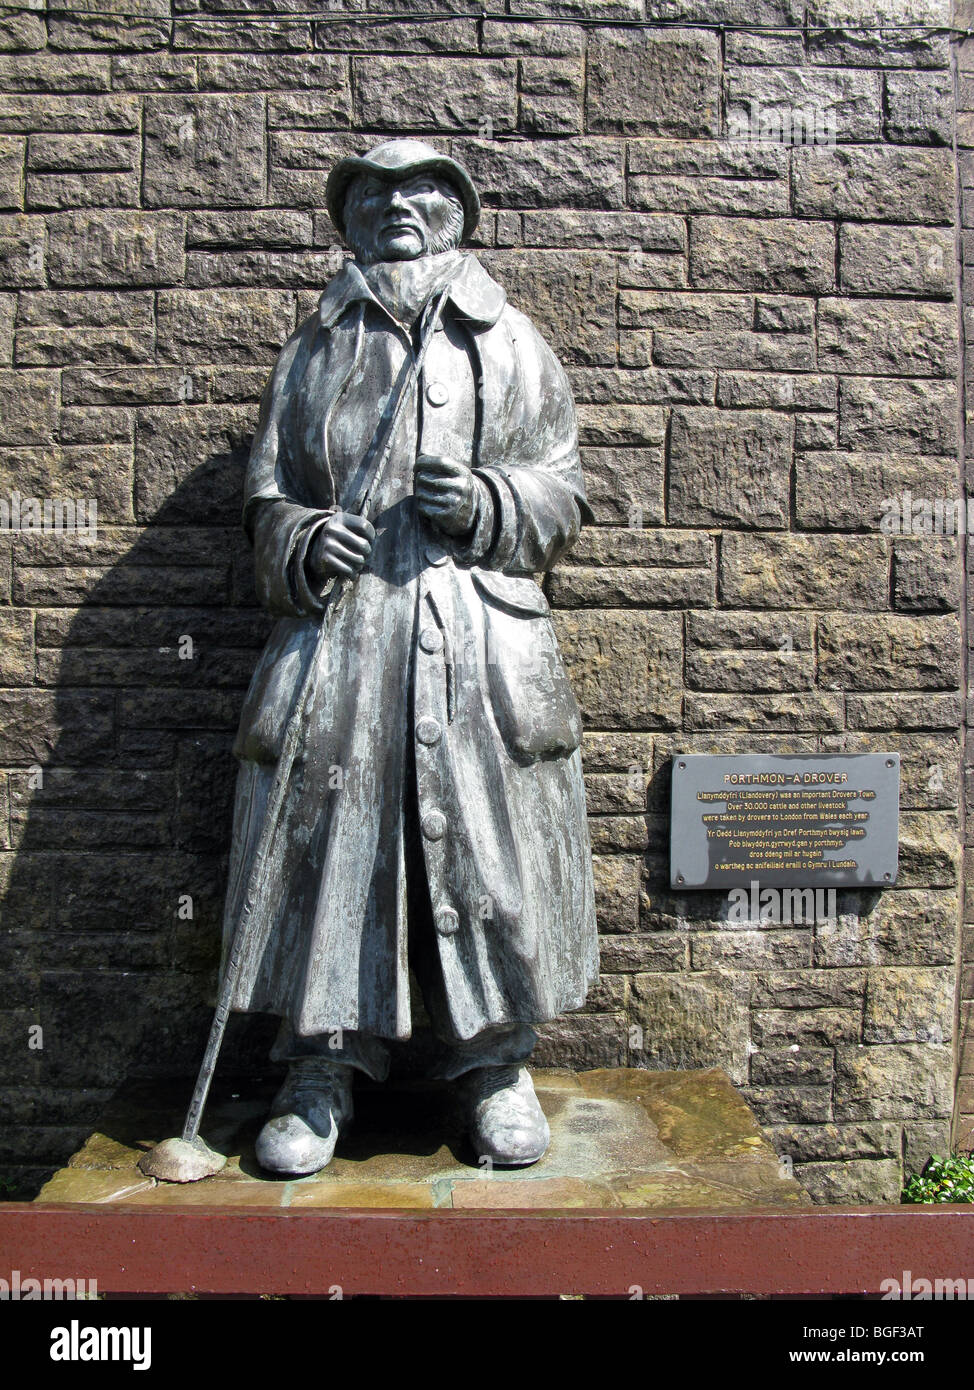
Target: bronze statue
x=415 y=466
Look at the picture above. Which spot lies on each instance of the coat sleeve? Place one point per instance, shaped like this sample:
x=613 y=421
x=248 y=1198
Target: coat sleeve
x=280 y=527
x=531 y=502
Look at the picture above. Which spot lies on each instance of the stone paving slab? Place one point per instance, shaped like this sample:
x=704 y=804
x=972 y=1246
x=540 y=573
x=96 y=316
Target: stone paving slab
x=620 y=1138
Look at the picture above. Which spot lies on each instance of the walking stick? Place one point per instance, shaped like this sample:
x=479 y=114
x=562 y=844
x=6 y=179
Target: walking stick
x=189 y=1158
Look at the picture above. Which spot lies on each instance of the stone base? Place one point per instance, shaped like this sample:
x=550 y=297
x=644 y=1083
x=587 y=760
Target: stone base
x=619 y=1138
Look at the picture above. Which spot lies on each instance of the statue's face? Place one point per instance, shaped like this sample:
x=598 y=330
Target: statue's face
x=401 y=221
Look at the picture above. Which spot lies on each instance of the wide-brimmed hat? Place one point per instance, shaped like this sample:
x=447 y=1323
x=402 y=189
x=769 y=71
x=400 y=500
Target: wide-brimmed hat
x=399 y=160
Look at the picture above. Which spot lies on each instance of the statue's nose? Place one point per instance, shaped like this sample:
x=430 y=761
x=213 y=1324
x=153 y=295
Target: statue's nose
x=396 y=200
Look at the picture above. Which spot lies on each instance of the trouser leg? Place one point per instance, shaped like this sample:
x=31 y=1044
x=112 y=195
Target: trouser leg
x=344 y=1046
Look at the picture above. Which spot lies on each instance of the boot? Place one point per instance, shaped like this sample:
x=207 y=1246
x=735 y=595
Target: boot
x=505 y=1122
x=307 y=1116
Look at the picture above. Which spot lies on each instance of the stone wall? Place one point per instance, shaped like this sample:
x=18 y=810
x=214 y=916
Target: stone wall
x=762 y=337
x=964 y=1106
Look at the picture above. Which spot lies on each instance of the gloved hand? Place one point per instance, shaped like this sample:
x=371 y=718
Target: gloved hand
x=341 y=546
x=446 y=493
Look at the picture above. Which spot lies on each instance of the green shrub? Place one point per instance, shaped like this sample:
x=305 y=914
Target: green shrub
x=949 y=1179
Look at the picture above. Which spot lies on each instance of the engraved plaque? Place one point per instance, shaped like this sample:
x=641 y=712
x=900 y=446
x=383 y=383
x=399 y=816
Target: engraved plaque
x=795 y=821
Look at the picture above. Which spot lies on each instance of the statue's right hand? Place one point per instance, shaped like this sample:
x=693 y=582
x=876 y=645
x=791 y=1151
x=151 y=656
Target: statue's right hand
x=342 y=546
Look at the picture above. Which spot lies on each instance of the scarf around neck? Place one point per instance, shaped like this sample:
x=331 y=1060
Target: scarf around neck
x=405 y=287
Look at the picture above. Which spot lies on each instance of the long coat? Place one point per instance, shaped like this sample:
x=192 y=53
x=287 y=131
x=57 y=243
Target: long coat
x=442 y=647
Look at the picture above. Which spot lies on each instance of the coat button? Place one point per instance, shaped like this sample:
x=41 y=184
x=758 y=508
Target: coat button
x=428 y=731
x=431 y=640
x=437 y=393
x=434 y=825
x=447 y=921
x=436 y=555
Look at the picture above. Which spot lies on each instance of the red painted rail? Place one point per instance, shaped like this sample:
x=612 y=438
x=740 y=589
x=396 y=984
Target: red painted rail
x=516 y=1254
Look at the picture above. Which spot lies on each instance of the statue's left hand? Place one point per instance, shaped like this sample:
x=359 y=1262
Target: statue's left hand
x=446 y=493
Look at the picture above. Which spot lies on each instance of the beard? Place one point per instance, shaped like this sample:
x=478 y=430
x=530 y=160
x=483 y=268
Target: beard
x=360 y=238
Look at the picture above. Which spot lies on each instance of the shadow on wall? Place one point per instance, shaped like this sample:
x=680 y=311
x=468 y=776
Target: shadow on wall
x=121 y=810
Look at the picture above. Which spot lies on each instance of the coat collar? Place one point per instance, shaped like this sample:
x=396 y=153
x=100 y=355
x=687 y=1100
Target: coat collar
x=473 y=294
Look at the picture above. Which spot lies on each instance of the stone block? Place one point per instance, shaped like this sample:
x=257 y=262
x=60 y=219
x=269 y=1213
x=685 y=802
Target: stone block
x=795 y=571
x=744 y=950
x=621 y=425
x=104 y=248
x=874 y=183
x=98 y=328
x=749 y=652
x=21 y=31
x=919 y=108
x=749 y=253
x=692 y=1020
x=435 y=94
x=16 y=654
x=625 y=667
x=102 y=472
x=887 y=336
x=49 y=71
x=806 y=1027
x=926 y=574
x=747 y=351
x=624 y=485
x=204 y=151
x=855 y=490
x=189 y=462
x=12 y=152
x=729 y=468
x=929 y=849
x=447 y=36
x=782 y=713
x=887 y=1081
x=851 y=1181
x=803 y=1066
x=624 y=587
x=28 y=406
x=568 y=295
x=731 y=177
x=909 y=1004
x=886 y=651
x=646 y=82
x=616 y=892
x=775 y=391
x=580 y=1041
x=808 y=989
x=155 y=72
x=552 y=40
x=22 y=248
x=551 y=97
x=897 y=415
x=114 y=32
x=242 y=325
x=581 y=173
x=893 y=711
x=805 y=105
x=693 y=312
x=38 y=727
x=749 y=48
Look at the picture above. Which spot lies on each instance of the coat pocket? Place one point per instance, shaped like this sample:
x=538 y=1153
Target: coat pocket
x=534 y=708
x=273 y=690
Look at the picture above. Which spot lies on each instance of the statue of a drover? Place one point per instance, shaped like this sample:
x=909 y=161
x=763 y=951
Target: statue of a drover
x=435 y=807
